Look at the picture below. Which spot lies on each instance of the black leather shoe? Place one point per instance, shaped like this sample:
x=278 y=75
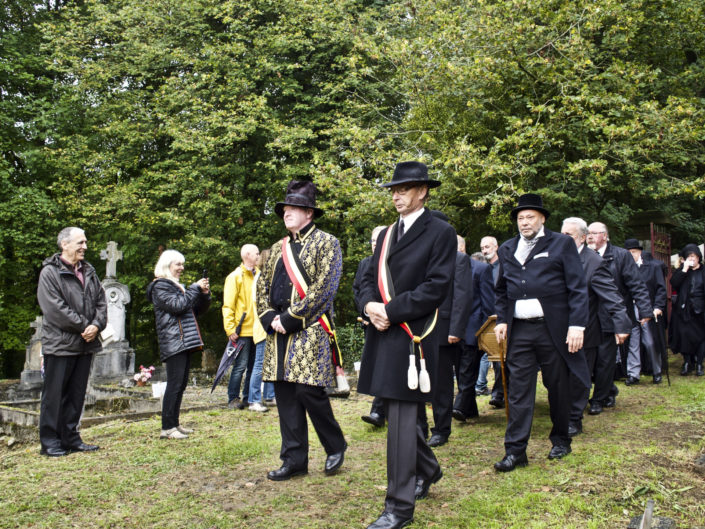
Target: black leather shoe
x=422 y=485
x=482 y=392
x=558 y=452
x=685 y=369
x=497 y=403
x=389 y=520
x=699 y=370
x=658 y=379
x=595 y=408
x=334 y=462
x=575 y=428
x=459 y=416
x=242 y=404
x=285 y=472
x=437 y=440
x=511 y=461
x=375 y=419
x=631 y=381
x=54 y=452
x=610 y=402
x=83 y=447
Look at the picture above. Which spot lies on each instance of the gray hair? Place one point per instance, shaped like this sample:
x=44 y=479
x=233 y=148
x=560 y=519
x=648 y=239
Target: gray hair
x=165 y=260
x=477 y=256
x=461 y=244
x=580 y=223
x=65 y=235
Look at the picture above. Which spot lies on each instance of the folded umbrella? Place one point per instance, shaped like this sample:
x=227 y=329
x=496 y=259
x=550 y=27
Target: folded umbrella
x=232 y=350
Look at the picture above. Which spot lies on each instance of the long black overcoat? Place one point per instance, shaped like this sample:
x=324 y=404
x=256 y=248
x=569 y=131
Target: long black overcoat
x=602 y=294
x=454 y=311
x=421 y=266
x=553 y=274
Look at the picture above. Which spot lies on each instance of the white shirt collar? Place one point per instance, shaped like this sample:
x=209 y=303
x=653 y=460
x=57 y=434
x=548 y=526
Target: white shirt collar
x=580 y=248
x=411 y=218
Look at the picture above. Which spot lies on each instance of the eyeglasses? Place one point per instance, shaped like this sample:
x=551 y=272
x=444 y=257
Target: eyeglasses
x=596 y=232
x=401 y=190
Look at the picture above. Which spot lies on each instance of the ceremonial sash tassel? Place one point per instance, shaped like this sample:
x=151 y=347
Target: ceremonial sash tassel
x=421 y=379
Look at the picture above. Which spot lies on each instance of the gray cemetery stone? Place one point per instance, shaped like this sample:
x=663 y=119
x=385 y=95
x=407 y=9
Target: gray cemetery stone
x=31 y=377
x=117 y=359
x=657 y=522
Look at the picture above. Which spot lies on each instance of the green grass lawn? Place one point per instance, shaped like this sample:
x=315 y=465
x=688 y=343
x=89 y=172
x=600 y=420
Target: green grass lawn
x=643 y=449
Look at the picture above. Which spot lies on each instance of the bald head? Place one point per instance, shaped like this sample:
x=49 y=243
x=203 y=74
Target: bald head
x=249 y=254
x=597 y=235
x=488 y=247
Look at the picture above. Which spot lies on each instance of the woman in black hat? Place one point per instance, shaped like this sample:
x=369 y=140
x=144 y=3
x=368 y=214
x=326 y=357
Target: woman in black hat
x=689 y=311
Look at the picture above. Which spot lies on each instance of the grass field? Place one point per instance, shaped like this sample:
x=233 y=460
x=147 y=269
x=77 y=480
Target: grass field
x=643 y=449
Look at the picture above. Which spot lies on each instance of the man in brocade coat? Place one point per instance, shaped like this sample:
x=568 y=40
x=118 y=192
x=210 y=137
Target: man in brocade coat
x=417 y=258
x=298 y=356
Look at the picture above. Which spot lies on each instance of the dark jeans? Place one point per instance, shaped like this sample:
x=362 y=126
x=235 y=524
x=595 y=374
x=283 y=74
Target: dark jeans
x=243 y=364
x=65 y=381
x=176 y=381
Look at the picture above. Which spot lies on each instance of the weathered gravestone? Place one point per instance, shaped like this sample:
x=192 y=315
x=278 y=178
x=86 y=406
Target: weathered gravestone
x=117 y=359
x=31 y=376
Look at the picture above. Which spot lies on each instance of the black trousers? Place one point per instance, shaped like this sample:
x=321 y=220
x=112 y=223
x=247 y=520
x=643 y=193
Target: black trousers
x=530 y=346
x=177 y=368
x=63 y=394
x=443 y=388
x=408 y=456
x=293 y=402
x=498 y=387
x=467 y=372
x=603 y=372
x=377 y=406
x=579 y=394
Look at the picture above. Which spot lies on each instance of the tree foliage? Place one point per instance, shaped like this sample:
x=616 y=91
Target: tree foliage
x=178 y=124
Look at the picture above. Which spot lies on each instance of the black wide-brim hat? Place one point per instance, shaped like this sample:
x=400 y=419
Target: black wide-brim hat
x=299 y=193
x=530 y=201
x=411 y=173
x=632 y=244
x=691 y=248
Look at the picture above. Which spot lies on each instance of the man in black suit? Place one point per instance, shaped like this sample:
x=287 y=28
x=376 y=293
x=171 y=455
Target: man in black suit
x=465 y=404
x=542 y=308
x=647 y=335
x=376 y=415
x=452 y=319
x=631 y=287
x=409 y=277
x=602 y=294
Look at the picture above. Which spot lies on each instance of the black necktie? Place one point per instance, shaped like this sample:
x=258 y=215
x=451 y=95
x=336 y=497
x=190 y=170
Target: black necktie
x=400 y=231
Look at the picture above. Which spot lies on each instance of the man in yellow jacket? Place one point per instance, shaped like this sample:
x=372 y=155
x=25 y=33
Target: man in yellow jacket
x=238 y=300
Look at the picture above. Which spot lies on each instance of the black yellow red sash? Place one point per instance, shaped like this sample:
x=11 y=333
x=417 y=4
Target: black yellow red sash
x=298 y=277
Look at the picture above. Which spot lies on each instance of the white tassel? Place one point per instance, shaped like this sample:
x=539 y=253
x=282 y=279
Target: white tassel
x=424 y=379
x=342 y=383
x=412 y=376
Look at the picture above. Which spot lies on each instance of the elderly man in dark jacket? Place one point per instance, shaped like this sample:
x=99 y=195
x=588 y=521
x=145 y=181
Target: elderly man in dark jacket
x=410 y=276
x=73 y=303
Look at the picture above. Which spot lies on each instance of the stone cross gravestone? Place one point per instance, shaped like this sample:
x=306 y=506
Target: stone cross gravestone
x=31 y=376
x=117 y=359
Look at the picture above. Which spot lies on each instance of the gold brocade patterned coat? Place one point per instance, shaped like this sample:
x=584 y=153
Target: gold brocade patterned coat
x=303 y=354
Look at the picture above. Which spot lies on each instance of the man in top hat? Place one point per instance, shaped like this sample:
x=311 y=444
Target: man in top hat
x=542 y=311
x=294 y=304
x=650 y=334
x=409 y=277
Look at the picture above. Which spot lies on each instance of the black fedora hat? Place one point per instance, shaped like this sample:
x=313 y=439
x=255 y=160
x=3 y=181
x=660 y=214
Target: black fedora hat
x=411 y=173
x=632 y=244
x=530 y=201
x=299 y=193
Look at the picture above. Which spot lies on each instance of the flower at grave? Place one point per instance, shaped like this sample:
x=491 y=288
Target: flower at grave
x=144 y=375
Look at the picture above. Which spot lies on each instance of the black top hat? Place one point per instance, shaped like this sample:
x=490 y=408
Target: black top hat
x=691 y=248
x=411 y=172
x=530 y=201
x=632 y=244
x=299 y=193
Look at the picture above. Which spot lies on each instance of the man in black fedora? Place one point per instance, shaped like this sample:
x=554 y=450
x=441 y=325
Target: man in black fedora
x=294 y=303
x=408 y=279
x=542 y=311
x=649 y=335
